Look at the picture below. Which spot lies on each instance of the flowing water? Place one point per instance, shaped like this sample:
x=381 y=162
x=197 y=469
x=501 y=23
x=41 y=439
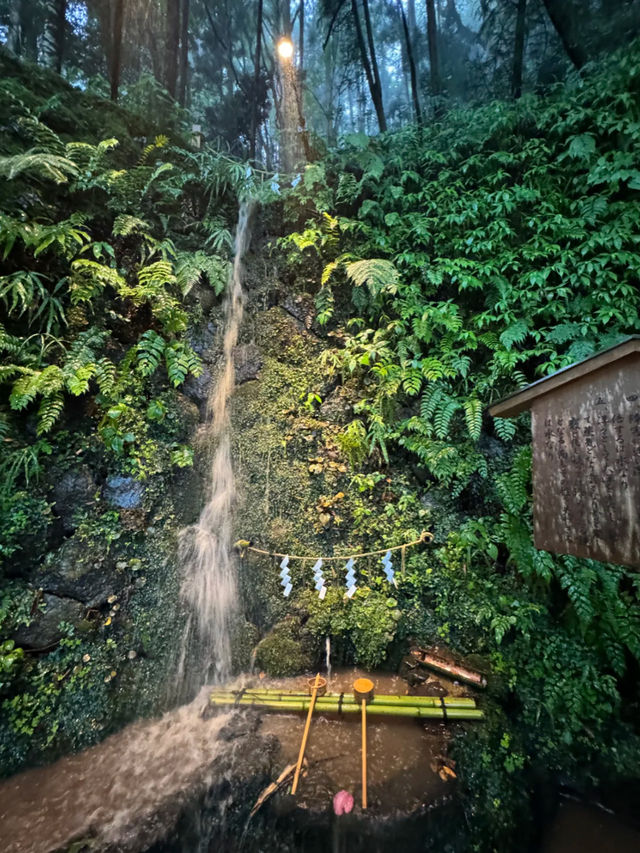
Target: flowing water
x=209 y=588
x=327 y=656
x=119 y=793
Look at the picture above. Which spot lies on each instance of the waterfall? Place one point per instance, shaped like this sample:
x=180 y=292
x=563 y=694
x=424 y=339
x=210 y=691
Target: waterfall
x=209 y=585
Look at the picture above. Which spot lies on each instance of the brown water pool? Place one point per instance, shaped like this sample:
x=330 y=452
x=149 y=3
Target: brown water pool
x=402 y=753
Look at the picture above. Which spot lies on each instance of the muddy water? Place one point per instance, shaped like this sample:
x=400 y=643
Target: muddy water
x=113 y=792
x=581 y=829
x=400 y=751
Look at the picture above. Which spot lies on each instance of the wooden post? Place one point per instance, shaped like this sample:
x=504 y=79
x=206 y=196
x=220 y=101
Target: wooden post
x=305 y=734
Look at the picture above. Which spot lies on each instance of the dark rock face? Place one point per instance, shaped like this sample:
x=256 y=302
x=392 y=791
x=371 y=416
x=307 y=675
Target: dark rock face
x=188 y=415
x=89 y=578
x=247 y=360
x=187 y=491
x=44 y=631
x=301 y=307
x=75 y=490
x=198 y=388
x=124 y=492
x=202 y=341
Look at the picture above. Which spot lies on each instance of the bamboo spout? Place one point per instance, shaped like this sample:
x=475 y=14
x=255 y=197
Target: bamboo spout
x=314 y=692
x=363 y=693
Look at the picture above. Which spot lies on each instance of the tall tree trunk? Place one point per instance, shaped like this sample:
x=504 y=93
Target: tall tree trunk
x=412 y=64
x=376 y=95
x=432 y=36
x=256 y=80
x=382 y=121
x=184 y=53
x=14 y=33
x=53 y=40
x=518 y=52
x=301 y=44
x=561 y=13
x=29 y=30
x=285 y=17
x=116 y=48
x=172 y=41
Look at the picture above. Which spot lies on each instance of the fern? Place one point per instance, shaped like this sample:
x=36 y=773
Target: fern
x=89 y=278
x=412 y=381
x=443 y=416
x=505 y=428
x=49 y=412
x=353 y=443
x=378 y=275
x=77 y=381
x=150 y=349
x=106 y=376
x=161 y=141
x=513 y=487
x=25 y=292
x=180 y=361
x=473 y=417
x=46 y=382
x=39 y=164
x=190 y=268
x=124 y=225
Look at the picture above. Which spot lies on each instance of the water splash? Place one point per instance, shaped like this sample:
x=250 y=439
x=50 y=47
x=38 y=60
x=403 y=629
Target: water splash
x=327 y=656
x=209 y=587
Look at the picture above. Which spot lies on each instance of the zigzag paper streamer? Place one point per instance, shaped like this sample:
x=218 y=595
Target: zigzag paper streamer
x=318 y=576
x=285 y=577
x=350 y=577
x=388 y=568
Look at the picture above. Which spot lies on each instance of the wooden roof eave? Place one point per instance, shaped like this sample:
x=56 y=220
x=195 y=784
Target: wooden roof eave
x=522 y=400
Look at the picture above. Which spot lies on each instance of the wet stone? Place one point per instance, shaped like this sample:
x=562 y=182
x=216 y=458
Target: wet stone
x=124 y=492
x=247 y=360
x=202 y=341
x=337 y=408
x=73 y=491
x=198 y=388
x=239 y=726
x=74 y=573
x=44 y=631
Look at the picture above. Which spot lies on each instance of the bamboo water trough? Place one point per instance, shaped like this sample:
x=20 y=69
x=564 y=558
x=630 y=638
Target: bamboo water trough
x=419 y=707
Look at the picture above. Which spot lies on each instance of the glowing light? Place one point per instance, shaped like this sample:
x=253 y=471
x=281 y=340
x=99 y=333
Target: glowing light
x=285 y=48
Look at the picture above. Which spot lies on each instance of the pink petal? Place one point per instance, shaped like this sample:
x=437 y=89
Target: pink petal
x=342 y=803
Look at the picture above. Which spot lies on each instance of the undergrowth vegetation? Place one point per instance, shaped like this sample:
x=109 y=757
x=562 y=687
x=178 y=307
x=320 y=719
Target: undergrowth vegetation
x=454 y=265
x=109 y=246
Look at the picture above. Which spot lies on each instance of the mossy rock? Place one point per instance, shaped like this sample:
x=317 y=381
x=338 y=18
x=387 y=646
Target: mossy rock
x=283 y=653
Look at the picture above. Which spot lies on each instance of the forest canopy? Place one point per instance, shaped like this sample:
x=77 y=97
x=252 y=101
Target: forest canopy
x=357 y=65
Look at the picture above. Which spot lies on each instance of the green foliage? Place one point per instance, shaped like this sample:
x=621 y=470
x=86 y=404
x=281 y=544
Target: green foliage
x=367 y=623
x=108 y=264
x=503 y=246
x=24 y=520
x=487 y=268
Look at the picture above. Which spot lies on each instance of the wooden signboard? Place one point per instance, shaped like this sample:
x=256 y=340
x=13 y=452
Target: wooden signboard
x=586 y=455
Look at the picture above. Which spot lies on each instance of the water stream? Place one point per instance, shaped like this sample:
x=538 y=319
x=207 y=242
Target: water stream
x=209 y=587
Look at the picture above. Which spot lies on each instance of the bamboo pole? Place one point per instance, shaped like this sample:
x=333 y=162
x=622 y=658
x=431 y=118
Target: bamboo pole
x=363 y=692
x=335 y=698
x=305 y=734
x=303 y=704
x=363 y=705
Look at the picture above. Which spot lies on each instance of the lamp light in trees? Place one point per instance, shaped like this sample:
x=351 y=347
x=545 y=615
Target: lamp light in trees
x=285 y=49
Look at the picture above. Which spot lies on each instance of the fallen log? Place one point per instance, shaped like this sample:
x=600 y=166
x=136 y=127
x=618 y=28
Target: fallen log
x=459 y=673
